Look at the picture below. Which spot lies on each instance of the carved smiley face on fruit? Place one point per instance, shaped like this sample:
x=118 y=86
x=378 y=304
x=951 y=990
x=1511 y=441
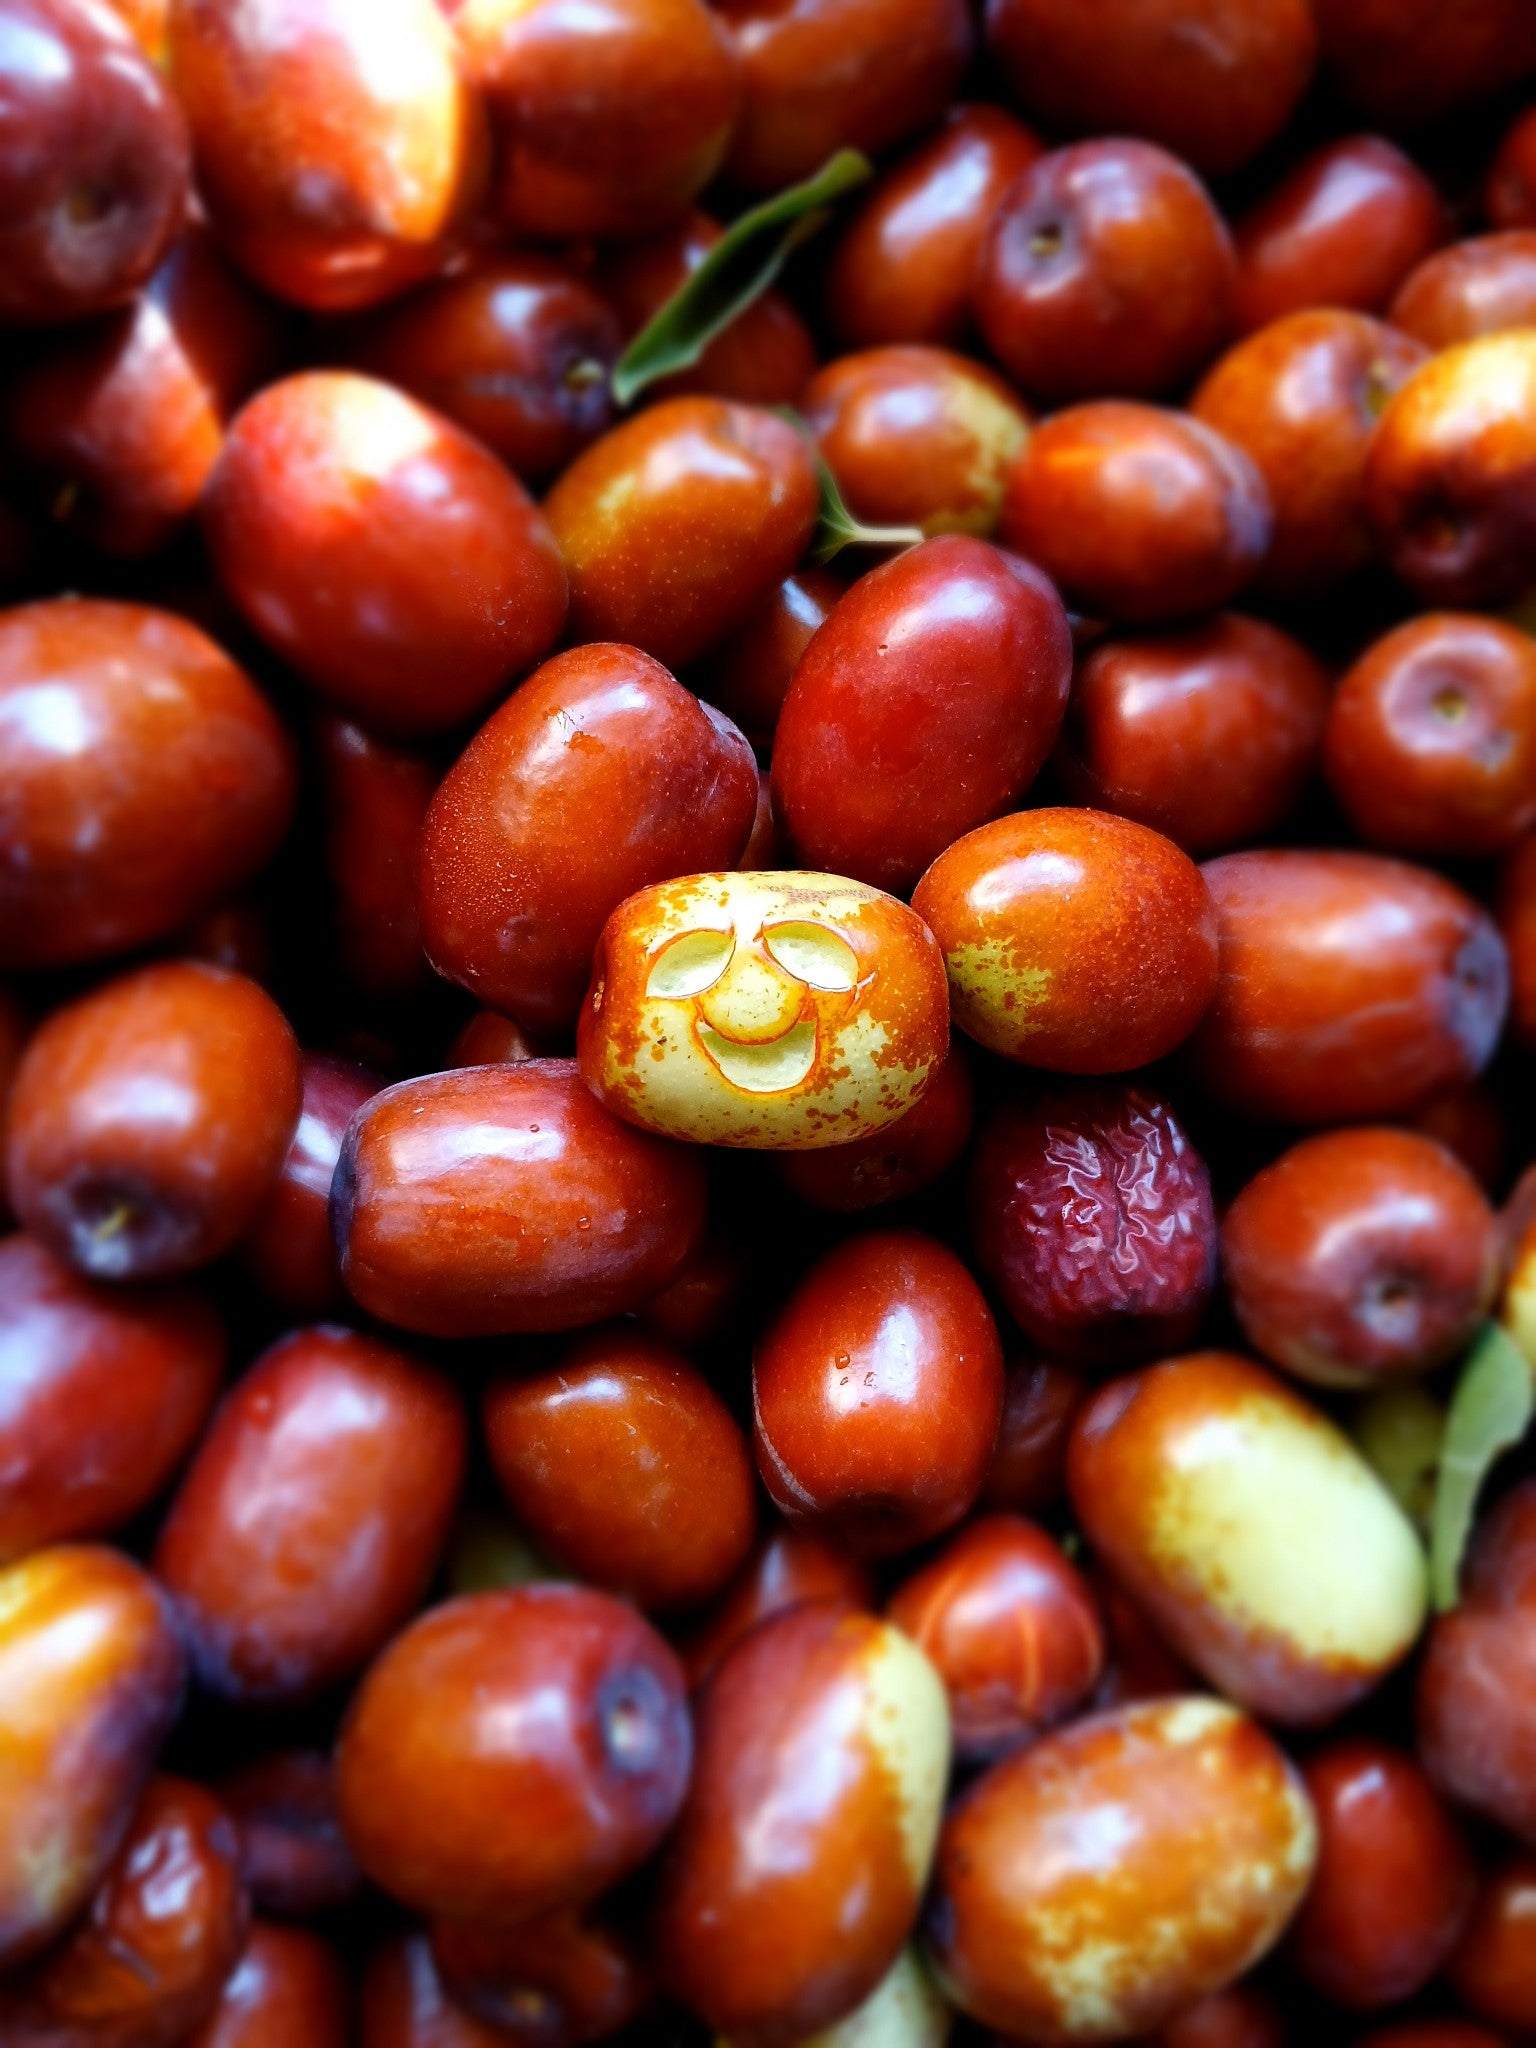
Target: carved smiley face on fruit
x=783 y=1011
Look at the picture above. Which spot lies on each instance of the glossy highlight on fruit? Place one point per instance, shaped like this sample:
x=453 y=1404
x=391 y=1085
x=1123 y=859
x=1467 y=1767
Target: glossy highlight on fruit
x=624 y=1464
x=917 y=437
x=1106 y=270
x=678 y=523
x=600 y=776
x=149 y=1118
x=312 y=1518
x=1394 y=1879
x=514 y=1752
x=148 y=1959
x=876 y=1393
x=767 y=1005
x=495 y=1199
x=93 y=165
x=146 y=777
x=1095 y=1885
x=1186 y=1478
x=825 y=1734
x=1136 y=512
x=329 y=515
x=924 y=706
x=91 y=1680
x=105 y=1394
x=1361 y=1257
x=338 y=148
x=1349 y=986
x=1073 y=940
x=1011 y=1628
x=609 y=119
x=1207 y=733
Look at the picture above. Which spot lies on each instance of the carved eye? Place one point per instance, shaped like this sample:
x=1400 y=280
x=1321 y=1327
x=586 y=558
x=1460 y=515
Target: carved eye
x=814 y=955
x=689 y=964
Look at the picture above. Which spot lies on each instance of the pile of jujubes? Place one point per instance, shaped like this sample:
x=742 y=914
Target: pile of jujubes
x=767 y=1023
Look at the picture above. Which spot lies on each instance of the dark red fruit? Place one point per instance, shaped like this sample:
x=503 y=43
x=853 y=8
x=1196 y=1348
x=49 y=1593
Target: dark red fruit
x=1092 y=1216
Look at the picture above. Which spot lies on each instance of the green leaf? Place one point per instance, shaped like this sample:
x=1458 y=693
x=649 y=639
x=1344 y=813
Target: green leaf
x=1401 y=1432
x=836 y=527
x=738 y=270
x=1490 y=1411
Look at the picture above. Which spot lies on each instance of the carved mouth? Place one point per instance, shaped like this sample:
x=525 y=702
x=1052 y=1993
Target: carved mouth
x=763 y=1069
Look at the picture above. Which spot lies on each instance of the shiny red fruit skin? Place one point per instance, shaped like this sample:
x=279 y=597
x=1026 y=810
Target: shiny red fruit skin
x=288 y=1987
x=374 y=796
x=902 y=270
x=339 y=150
x=1493 y=1968
x=1394 y=1879
x=1074 y=940
x=623 y=1464
x=719 y=502
x=92 y=1673
x=917 y=437
x=608 y=120
x=329 y=514
x=820 y=75
x=789 y=1568
x=1116 y=1821
x=1028 y=1471
x=403 y=2003
x=600 y=776
x=514 y=1752
x=94 y=165
x=1106 y=270
x=1215 y=87
x=105 y=1394
x=1361 y=1256
x=450 y=1222
x=1479 y=286
x=184 y=791
x=876 y=1393
x=748 y=675
x=822 y=1731
x=1239 y=2017
x=1344 y=228
x=558 y=1981
x=1474 y=1738
x=763 y=357
x=1349 y=986
x=117 y=427
x=150 y=1118
x=287 y=1250
x=1011 y=1627
x=145 y=1964
x=1137 y=512
x=1431 y=738
x=312 y=1518
x=923 y=707
x=1301 y=397
x=516 y=350
x=1206 y=733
